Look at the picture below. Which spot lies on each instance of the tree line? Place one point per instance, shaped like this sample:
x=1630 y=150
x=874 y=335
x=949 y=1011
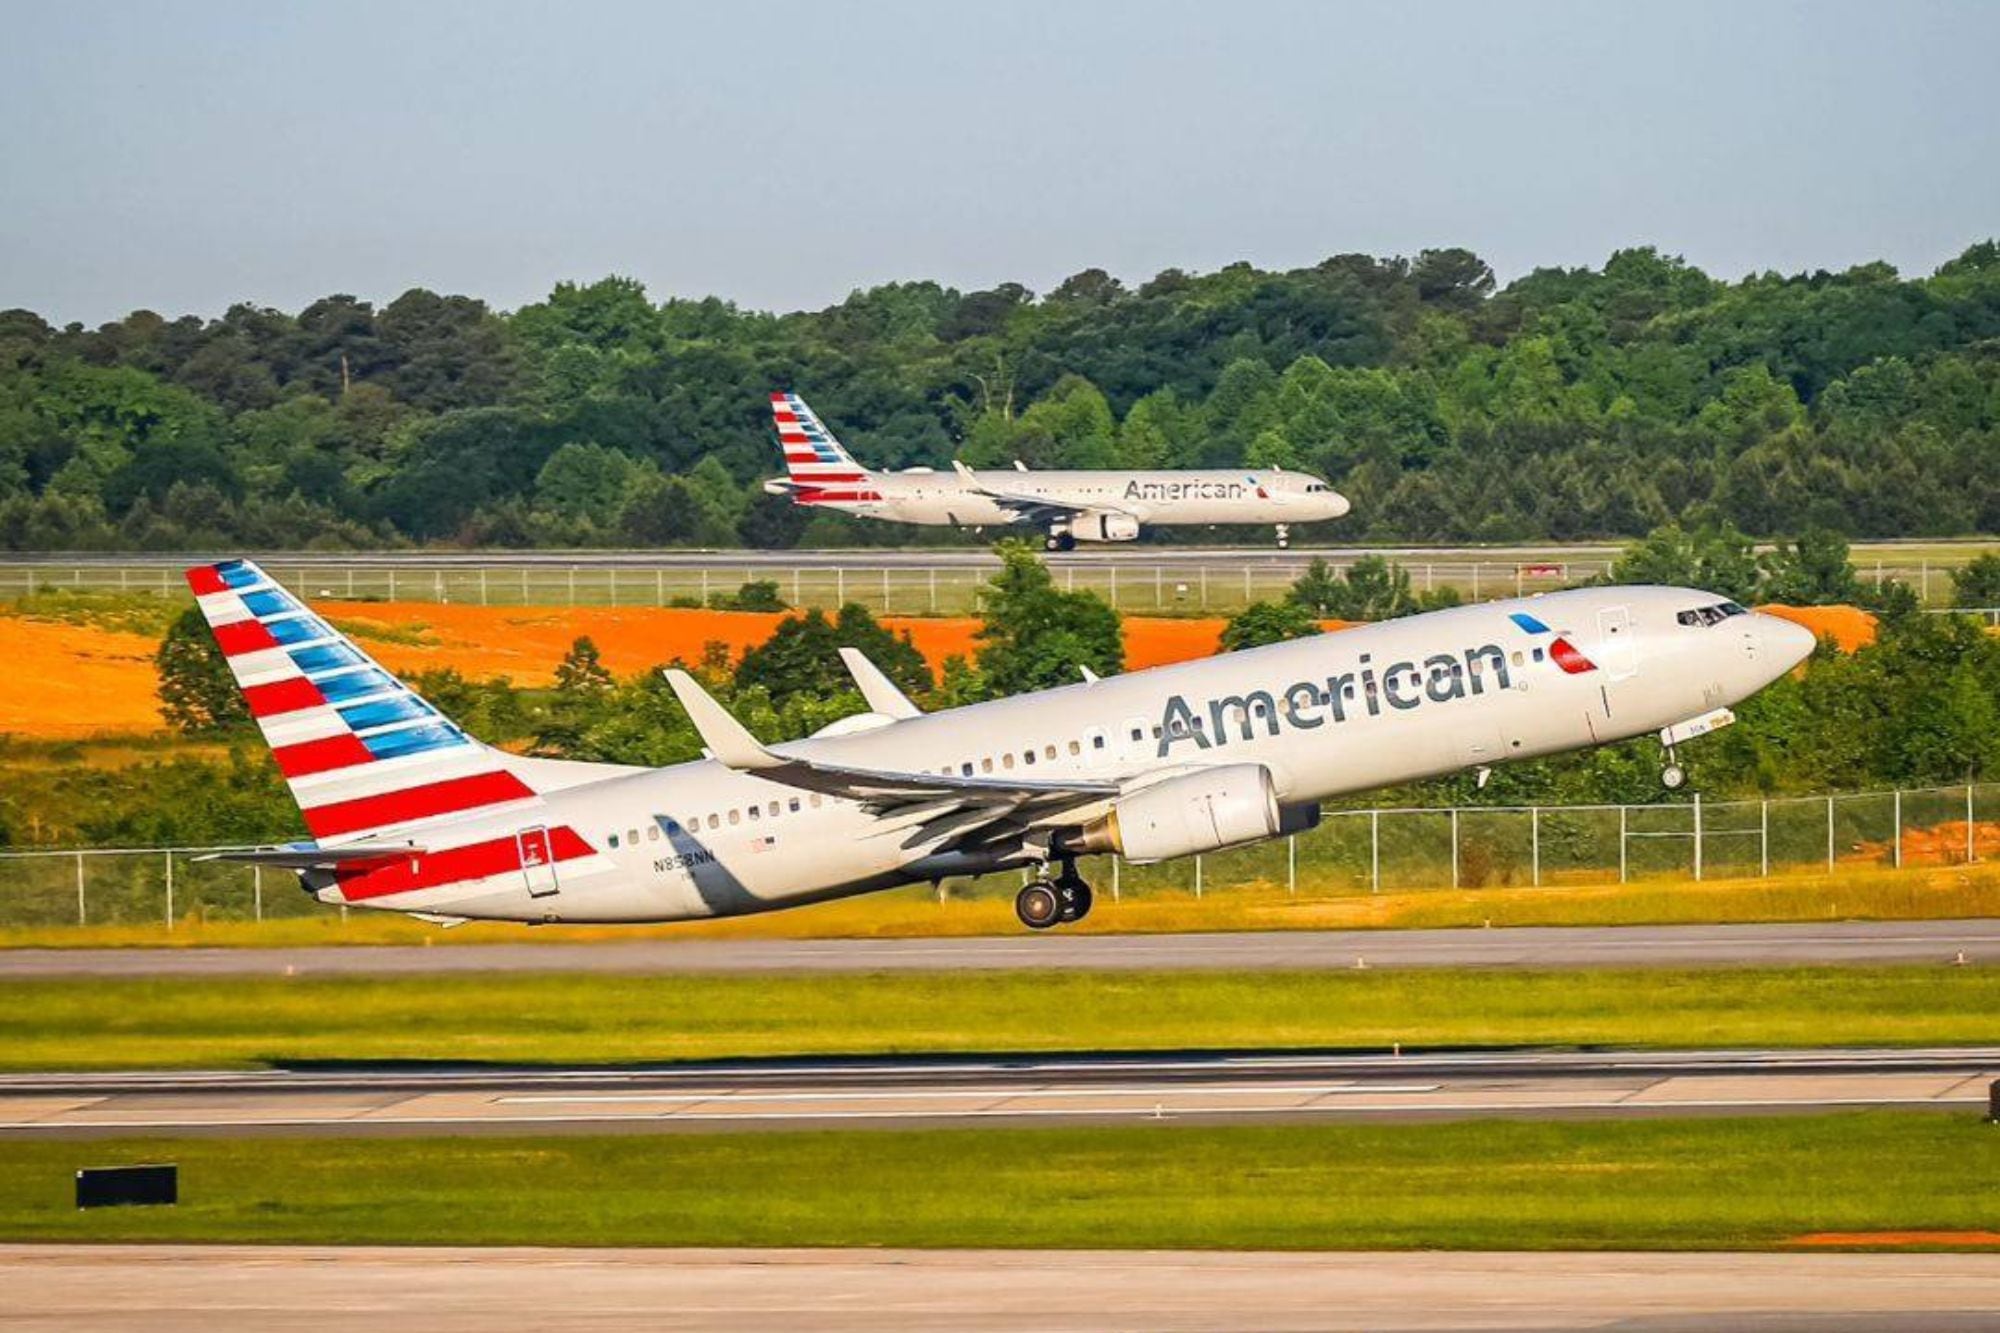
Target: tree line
x=1571 y=403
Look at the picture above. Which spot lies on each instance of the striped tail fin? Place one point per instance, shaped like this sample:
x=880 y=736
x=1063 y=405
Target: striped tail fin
x=821 y=471
x=363 y=754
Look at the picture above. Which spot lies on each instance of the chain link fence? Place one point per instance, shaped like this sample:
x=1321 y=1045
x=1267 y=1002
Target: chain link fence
x=1352 y=852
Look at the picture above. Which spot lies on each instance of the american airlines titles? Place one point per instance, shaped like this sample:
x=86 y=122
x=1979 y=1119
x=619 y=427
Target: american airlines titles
x=1186 y=490
x=1308 y=704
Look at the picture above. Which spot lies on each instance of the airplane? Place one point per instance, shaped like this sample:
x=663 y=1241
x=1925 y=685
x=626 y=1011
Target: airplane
x=1069 y=507
x=409 y=813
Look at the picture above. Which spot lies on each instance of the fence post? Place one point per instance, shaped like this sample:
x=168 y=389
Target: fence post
x=1622 y=812
x=1115 y=896
x=1898 y=862
x=885 y=590
x=1764 y=838
x=1697 y=837
x=1535 y=843
x=1829 y=835
x=1971 y=849
x=1197 y=875
x=839 y=587
x=614 y=584
x=704 y=586
x=257 y=890
x=392 y=583
x=1114 y=585
x=572 y=585
x=660 y=587
x=1374 y=851
x=1291 y=863
x=933 y=582
x=482 y=585
x=1204 y=587
x=82 y=917
x=1454 y=846
x=170 y=889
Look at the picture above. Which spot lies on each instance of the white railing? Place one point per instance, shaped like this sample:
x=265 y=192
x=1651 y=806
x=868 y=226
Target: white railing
x=1351 y=852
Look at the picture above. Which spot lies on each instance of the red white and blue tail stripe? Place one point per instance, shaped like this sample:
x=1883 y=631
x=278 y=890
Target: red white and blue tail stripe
x=821 y=471
x=363 y=754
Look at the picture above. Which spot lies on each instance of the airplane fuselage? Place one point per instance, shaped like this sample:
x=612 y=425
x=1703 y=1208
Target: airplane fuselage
x=1327 y=716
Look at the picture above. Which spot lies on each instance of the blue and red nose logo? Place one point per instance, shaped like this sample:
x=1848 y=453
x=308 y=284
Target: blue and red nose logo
x=1562 y=650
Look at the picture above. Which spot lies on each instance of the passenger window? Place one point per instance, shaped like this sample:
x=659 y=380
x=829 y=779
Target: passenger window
x=774 y=809
x=1138 y=734
x=1007 y=760
x=632 y=835
x=795 y=805
x=986 y=765
x=1517 y=657
x=754 y=814
x=652 y=833
x=614 y=840
x=736 y=816
x=1538 y=654
x=714 y=820
x=1048 y=752
x=965 y=769
x=815 y=800
x=1027 y=756
x=1075 y=748
x=1097 y=742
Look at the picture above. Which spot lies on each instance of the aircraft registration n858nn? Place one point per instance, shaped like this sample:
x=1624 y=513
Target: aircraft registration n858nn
x=409 y=813
x=1068 y=506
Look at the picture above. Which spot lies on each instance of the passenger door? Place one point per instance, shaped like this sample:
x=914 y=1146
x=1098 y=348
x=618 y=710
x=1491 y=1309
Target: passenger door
x=538 y=862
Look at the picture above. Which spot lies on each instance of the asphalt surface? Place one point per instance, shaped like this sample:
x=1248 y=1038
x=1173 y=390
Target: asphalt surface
x=114 y=1288
x=922 y=1092
x=1846 y=942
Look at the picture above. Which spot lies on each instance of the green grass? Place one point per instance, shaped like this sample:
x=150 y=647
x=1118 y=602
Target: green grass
x=1747 y=1183
x=207 y=1022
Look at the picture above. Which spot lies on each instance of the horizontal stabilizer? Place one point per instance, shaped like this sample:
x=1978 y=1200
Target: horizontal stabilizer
x=310 y=856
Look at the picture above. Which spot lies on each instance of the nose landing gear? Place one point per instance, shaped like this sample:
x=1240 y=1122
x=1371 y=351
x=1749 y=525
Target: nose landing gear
x=1044 y=903
x=1284 y=535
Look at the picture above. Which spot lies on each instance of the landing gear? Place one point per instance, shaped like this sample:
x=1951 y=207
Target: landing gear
x=1060 y=541
x=1284 y=535
x=1673 y=777
x=1038 y=905
x=1045 y=903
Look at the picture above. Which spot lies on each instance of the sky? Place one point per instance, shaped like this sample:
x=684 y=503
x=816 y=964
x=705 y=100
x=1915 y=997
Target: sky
x=184 y=157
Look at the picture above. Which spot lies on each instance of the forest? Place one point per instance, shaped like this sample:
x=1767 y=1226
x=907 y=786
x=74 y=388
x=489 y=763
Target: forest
x=1570 y=403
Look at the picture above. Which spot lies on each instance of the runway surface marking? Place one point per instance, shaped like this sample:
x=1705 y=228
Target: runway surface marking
x=1971 y=943
x=889 y=1093
x=114 y=1288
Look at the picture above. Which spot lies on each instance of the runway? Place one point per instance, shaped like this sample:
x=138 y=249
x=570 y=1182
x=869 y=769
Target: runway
x=115 y=1288
x=1183 y=1088
x=1974 y=942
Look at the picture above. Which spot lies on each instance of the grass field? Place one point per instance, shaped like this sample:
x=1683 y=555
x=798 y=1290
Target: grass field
x=1938 y=893
x=1736 y=1184
x=571 y=1019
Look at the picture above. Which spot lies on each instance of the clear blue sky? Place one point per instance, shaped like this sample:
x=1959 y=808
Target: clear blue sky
x=184 y=156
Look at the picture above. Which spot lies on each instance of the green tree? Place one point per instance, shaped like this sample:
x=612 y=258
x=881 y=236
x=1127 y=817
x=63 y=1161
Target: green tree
x=1033 y=636
x=1812 y=571
x=1268 y=622
x=802 y=656
x=197 y=692
x=1977 y=582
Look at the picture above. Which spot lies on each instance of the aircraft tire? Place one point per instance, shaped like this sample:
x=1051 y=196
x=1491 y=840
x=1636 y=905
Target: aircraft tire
x=1077 y=899
x=1673 y=777
x=1038 y=905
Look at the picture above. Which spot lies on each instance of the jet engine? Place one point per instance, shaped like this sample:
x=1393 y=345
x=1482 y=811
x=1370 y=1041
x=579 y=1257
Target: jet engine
x=1195 y=812
x=1103 y=525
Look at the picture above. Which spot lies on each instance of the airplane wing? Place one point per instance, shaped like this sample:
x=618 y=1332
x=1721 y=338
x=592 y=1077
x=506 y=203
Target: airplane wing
x=1030 y=508
x=731 y=744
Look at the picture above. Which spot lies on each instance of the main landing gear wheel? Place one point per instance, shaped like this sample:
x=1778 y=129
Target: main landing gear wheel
x=1060 y=541
x=1038 y=905
x=1673 y=777
x=1075 y=895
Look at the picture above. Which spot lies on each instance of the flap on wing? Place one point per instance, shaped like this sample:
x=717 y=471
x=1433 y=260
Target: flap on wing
x=730 y=743
x=1030 y=506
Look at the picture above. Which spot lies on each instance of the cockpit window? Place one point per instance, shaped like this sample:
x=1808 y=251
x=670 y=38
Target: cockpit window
x=1713 y=614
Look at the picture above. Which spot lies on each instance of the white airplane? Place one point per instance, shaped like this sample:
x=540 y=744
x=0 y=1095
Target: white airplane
x=409 y=813
x=1069 y=507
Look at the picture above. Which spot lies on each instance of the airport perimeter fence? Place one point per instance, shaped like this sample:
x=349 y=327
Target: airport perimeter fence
x=1351 y=853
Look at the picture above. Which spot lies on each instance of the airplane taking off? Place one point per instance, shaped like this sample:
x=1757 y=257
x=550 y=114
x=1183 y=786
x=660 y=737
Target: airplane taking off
x=409 y=813
x=1069 y=507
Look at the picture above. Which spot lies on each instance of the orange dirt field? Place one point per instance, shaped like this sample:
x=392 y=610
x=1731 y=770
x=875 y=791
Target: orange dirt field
x=67 y=681
x=1850 y=626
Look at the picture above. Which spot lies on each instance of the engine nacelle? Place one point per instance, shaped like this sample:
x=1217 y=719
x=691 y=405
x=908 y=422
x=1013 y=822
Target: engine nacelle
x=1195 y=812
x=1099 y=525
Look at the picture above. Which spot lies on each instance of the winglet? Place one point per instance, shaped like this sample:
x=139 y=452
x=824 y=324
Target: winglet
x=1089 y=677
x=964 y=473
x=728 y=740
x=881 y=693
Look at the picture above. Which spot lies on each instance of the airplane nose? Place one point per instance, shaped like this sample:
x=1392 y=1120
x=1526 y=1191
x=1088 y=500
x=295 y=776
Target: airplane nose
x=1785 y=644
x=1336 y=505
